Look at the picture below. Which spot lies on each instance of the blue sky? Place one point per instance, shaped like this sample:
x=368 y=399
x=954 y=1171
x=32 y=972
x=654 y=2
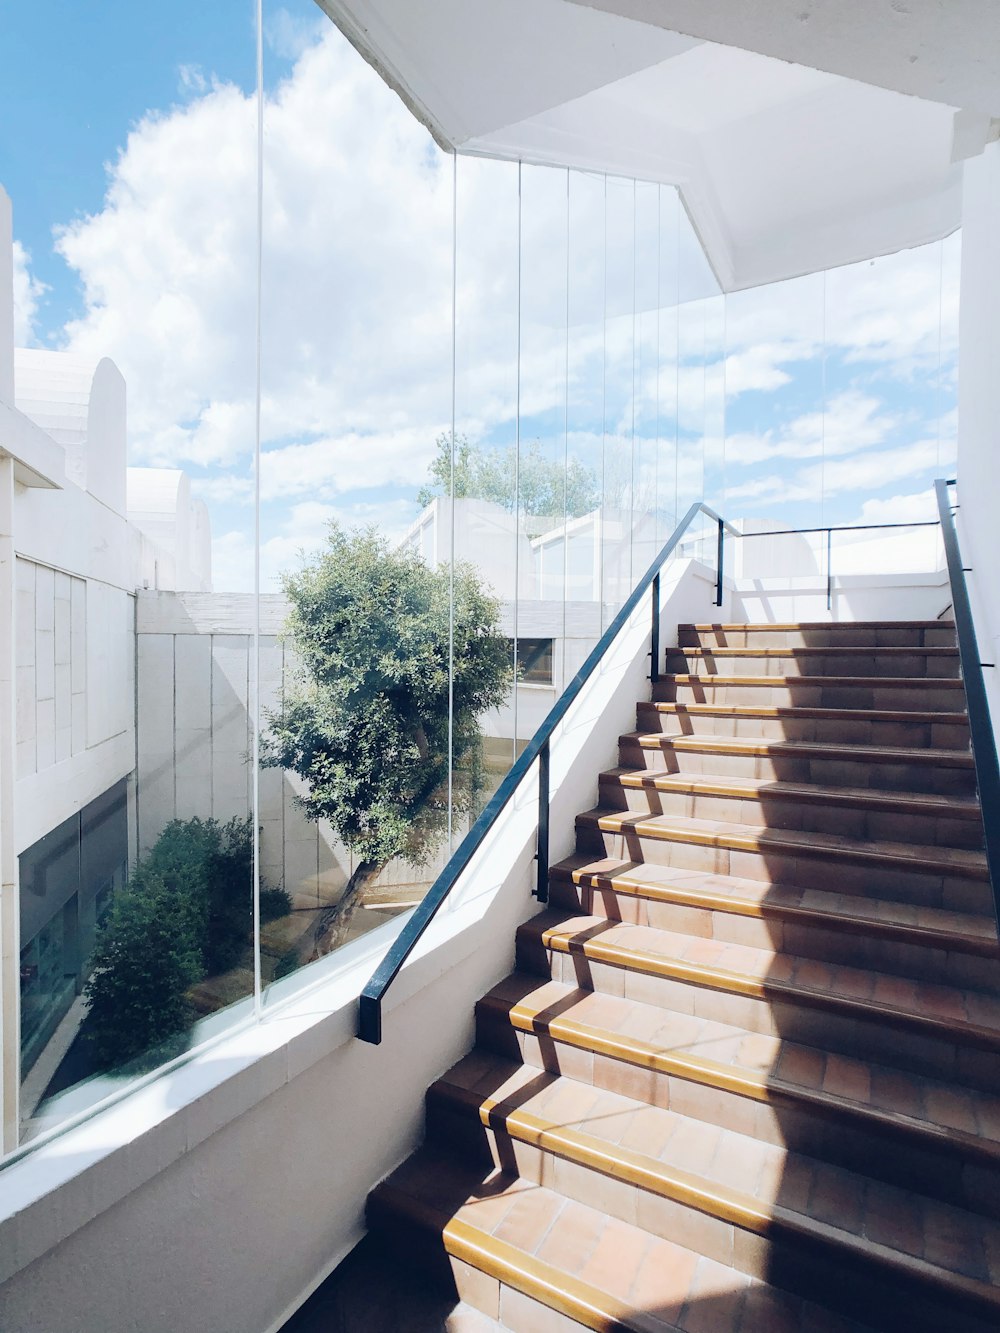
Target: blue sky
x=127 y=140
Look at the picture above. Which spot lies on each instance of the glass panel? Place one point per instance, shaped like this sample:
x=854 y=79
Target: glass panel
x=135 y=262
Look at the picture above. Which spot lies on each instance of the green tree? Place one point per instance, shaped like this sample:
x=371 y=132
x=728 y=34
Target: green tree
x=365 y=721
x=537 y=485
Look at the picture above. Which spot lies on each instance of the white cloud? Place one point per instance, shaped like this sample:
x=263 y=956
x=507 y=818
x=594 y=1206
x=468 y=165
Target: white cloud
x=852 y=421
x=831 y=477
x=28 y=293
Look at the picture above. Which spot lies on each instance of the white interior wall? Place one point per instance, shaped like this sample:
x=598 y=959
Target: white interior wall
x=979 y=404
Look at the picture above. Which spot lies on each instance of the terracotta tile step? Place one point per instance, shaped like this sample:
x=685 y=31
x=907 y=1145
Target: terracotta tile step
x=855 y=726
x=890 y=634
x=637 y=829
x=547 y=1263
x=884 y=767
x=822 y=661
x=940 y=1030
x=677 y=1175
x=919 y=693
x=897 y=1125
x=951 y=948
x=861 y=812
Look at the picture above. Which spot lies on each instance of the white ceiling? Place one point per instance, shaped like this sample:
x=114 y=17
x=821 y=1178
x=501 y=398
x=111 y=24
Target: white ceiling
x=784 y=167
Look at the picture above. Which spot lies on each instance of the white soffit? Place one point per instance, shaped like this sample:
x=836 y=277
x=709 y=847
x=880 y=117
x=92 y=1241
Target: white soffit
x=468 y=67
x=784 y=168
x=942 y=50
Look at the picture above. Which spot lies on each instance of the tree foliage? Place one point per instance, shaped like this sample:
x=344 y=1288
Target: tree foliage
x=533 y=483
x=185 y=914
x=365 y=721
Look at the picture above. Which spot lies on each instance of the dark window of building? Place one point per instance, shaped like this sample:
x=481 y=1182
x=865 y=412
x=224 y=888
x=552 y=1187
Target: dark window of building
x=534 y=661
x=67 y=880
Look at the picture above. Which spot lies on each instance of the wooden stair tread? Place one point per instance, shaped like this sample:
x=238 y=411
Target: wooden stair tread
x=959 y=861
x=932 y=804
x=846 y=625
x=793 y=711
x=790 y=682
x=601 y=1272
x=884 y=754
x=753 y=1184
x=933 y=926
x=822 y=650
x=950 y=1012
x=759 y=1066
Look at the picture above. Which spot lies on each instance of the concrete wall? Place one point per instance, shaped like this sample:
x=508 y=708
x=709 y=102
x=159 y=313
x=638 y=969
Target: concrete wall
x=979 y=403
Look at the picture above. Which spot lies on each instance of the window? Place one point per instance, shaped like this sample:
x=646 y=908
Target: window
x=534 y=661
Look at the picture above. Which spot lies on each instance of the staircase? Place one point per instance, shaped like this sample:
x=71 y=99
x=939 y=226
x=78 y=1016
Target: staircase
x=745 y=1076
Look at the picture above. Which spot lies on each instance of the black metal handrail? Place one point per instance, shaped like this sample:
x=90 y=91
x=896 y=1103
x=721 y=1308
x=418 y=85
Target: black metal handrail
x=370 y=1007
x=984 y=748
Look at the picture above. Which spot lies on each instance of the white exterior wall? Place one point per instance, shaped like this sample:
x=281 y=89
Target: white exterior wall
x=979 y=405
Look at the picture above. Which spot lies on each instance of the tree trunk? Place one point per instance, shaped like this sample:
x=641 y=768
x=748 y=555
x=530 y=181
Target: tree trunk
x=334 y=922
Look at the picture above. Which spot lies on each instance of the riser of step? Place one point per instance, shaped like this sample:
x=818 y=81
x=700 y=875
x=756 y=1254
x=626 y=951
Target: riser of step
x=829 y=944
x=810 y=1020
x=864 y=876
x=885 y=662
x=889 y=635
x=772 y=811
x=812 y=692
x=921 y=733
x=663 y=755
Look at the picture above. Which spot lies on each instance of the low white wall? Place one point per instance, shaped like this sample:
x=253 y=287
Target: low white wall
x=979 y=404
x=855 y=597
x=244 y=1172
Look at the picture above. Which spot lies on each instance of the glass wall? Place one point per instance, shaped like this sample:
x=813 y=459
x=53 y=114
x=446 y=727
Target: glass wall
x=332 y=587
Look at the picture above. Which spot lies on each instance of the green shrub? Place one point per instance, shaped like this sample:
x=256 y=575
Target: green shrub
x=148 y=954
x=186 y=913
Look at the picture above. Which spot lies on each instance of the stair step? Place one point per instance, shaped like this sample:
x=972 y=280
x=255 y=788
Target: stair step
x=856 y=633
x=535 y=1251
x=947 y=861
x=865 y=726
x=653 y=1163
x=747 y=911
x=881 y=766
x=758 y=1083
x=951 y=1027
x=862 y=812
x=827 y=660
x=907 y=692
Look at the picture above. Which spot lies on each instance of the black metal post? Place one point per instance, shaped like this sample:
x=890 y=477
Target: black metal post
x=542 y=853
x=654 y=650
x=720 y=555
x=829 y=569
